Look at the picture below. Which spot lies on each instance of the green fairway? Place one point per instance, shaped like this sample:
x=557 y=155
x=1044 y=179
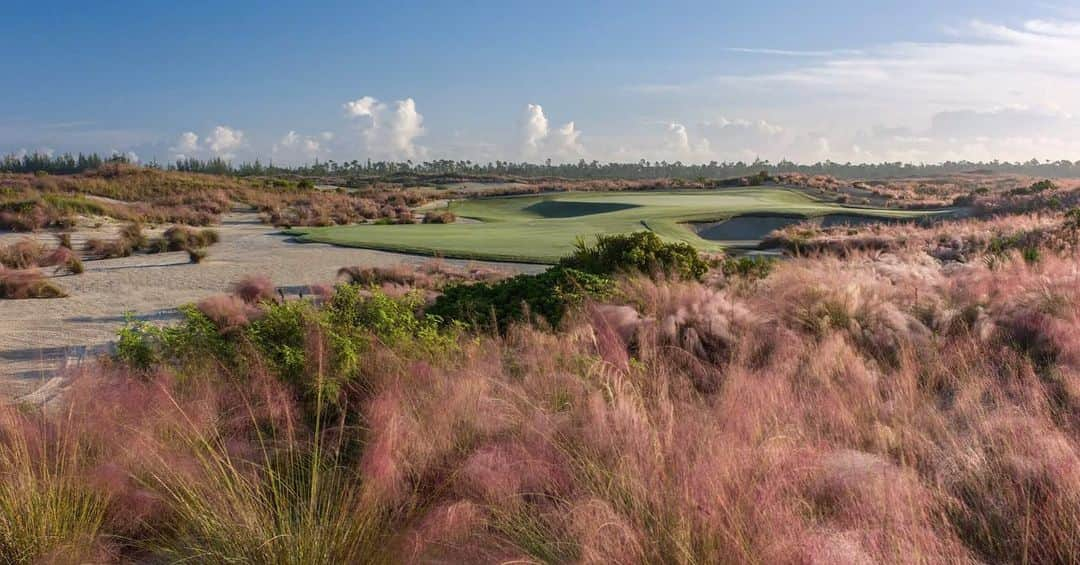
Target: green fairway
x=543 y=228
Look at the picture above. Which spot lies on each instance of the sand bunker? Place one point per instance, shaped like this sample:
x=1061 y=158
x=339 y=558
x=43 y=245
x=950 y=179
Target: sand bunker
x=752 y=228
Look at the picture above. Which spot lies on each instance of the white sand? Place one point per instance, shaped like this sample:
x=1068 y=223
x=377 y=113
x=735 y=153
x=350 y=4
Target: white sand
x=39 y=336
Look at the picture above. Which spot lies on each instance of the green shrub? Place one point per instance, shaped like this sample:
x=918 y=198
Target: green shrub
x=281 y=335
x=640 y=251
x=395 y=321
x=190 y=344
x=495 y=306
x=748 y=267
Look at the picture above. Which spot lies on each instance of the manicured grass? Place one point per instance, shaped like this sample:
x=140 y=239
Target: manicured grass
x=543 y=228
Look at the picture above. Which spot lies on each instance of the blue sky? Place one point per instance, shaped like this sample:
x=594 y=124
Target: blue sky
x=916 y=80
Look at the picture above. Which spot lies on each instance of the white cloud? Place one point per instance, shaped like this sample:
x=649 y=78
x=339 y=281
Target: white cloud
x=984 y=66
x=534 y=129
x=364 y=106
x=678 y=139
x=538 y=141
x=389 y=134
x=983 y=91
x=568 y=141
x=224 y=140
x=296 y=148
x=186 y=144
x=406 y=125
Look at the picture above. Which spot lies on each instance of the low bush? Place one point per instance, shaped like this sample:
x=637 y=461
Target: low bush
x=182 y=238
x=747 y=267
x=28 y=283
x=108 y=248
x=642 y=252
x=546 y=296
x=23 y=254
x=254 y=289
x=439 y=217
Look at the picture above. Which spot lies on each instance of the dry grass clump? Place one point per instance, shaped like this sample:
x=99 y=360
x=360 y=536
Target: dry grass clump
x=428 y=275
x=182 y=238
x=439 y=217
x=27 y=283
x=23 y=254
x=129 y=240
x=20 y=269
x=254 y=289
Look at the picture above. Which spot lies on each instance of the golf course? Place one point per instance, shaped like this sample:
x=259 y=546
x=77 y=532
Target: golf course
x=543 y=228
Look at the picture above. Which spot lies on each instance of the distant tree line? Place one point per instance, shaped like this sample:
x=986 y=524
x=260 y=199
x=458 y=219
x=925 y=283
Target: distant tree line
x=643 y=169
x=59 y=164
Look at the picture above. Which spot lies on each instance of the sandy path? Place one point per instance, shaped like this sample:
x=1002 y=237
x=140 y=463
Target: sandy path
x=39 y=336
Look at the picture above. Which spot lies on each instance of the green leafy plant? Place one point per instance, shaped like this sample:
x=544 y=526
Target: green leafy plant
x=642 y=251
x=495 y=306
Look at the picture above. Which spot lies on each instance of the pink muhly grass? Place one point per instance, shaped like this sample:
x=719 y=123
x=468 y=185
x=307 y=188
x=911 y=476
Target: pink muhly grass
x=229 y=313
x=254 y=289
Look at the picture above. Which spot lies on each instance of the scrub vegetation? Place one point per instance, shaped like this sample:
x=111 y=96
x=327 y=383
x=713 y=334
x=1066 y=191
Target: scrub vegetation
x=873 y=406
x=880 y=392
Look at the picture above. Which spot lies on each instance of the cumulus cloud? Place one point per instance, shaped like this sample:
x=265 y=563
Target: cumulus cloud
x=568 y=141
x=365 y=106
x=388 y=133
x=222 y=142
x=186 y=144
x=539 y=141
x=534 y=129
x=293 y=147
x=678 y=139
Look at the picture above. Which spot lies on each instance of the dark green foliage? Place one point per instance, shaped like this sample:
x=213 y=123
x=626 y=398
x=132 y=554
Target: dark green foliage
x=280 y=335
x=393 y=320
x=494 y=306
x=314 y=349
x=642 y=251
x=196 y=339
x=748 y=267
x=1031 y=255
x=1072 y=219
x=1042 y=185
x=1034 y=188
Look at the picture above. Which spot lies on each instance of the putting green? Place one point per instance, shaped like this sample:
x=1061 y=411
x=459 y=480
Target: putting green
x=543 y=228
